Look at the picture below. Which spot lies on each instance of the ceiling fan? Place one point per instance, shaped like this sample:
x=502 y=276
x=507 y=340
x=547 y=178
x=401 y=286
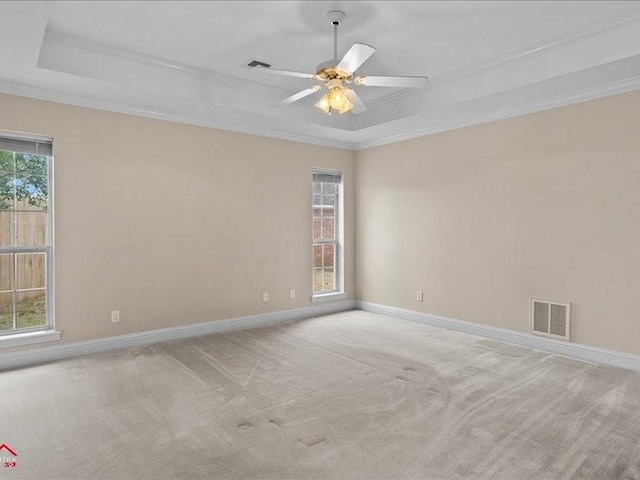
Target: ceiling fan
x=336 y=74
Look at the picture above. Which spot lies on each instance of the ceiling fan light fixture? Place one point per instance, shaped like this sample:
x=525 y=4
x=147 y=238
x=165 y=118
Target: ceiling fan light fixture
x=323 y=104
x=336 y=99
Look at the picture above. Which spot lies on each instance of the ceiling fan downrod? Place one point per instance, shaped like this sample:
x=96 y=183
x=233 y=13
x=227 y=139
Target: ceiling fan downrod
x=335 y=17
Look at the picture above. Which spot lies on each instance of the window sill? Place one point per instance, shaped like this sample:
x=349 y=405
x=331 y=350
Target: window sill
x=18 y=339
x=328 y=297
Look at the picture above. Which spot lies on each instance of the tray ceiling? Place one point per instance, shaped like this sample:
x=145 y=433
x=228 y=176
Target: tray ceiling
x=185 y=61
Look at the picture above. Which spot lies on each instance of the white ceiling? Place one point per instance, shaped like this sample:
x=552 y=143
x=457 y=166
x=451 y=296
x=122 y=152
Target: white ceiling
x=185 y=61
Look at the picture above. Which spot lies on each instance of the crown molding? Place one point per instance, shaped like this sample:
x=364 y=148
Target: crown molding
x=612 y=88
x=87 y=102
x=609 y=89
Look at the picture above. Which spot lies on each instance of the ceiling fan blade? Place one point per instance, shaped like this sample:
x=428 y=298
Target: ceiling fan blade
x=298 y=96
x=358 y=104
x=390 y=81
x=286 y=73
x=356 y=56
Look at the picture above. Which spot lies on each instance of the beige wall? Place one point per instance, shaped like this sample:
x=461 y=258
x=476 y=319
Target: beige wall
x=483 y=218
x=174 y=224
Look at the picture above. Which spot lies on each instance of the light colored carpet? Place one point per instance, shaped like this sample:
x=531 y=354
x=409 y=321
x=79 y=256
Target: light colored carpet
x=347 y=396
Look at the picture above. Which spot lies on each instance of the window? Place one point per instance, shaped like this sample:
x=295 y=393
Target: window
x=327 y=244
x=25 y=236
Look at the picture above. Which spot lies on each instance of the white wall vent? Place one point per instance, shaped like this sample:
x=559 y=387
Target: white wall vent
x=550 y=319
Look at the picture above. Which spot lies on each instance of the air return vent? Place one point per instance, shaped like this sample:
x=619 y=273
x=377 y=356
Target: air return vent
x=550 y=318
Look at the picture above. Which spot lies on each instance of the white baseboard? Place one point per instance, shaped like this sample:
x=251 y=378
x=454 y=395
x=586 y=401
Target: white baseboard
x=574 y=350
x=68 y=350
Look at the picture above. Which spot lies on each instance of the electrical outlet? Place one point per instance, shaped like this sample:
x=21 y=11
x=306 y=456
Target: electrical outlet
x=419 y=296
x=115 y=316
x=292 y=294
x=265 y=296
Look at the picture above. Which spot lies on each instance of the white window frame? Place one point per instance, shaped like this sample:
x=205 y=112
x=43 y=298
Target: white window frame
x=338 y=292
x=47 y=332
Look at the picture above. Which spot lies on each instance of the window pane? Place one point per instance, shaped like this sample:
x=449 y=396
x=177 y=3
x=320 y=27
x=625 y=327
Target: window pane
x=32 y=229
x=317 y=279
x=32 y=164
x=6 y=272
x=31 y=309
x=328 y=200
x=329 y=255
x=7 y=229
x=328 y=228
x=32 y=192
x=329 y=188
x=317 y=256
x=7 y=184
x=31 y=270
x=329 y=279
x=6 y=161
x=317 y=229
x=6 y=311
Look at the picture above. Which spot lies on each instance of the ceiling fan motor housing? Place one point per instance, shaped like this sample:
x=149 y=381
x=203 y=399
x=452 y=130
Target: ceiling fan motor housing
x=328 y=71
